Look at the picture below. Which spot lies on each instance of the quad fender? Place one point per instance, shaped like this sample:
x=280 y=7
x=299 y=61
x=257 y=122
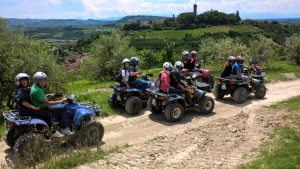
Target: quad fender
x=82 y=112
x=199 y=94
x=33 y=121
x=196 y=74
x=205 y=73
x=178 y=99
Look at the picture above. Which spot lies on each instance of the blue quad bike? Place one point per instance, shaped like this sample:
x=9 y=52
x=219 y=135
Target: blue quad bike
x=131 y=98
x=30 y=136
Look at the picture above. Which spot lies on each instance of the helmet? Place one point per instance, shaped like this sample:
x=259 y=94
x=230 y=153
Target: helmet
x=21 y=76
x=185 y=54
x=39 y=75
x=125 y=61
x=167 y=65
x=194 y=54
x=134 y=59
x=231 y=58
x=178 y=63
x=240 y=58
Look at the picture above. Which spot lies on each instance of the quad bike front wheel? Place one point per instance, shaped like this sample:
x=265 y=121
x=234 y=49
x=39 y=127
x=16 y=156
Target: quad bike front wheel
x=261 y=92
x=151 y=108
x=240 y=95
x=91 y=133
x=207 y=105
x=218 y=92
x=30 y=146
x=133 y=105
x=174 y=112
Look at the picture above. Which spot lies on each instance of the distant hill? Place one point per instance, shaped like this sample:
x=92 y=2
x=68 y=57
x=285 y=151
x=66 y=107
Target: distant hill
x=284 y=20
x=133 y=18
x=30 y=23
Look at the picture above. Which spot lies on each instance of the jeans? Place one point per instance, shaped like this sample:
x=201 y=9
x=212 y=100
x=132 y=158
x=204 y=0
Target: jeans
x=130 y=83
x=61 y=111
x=175 y=91
x=188 y=98
x=41 y=114
x=195 y=70
x=142 y=84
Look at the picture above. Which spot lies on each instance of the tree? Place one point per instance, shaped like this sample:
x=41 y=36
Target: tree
x=106 y=56
x=20 y=54
x=258 y=47
x=293 y=48
x=237 y=15
x=219 y=50
x=148 y=59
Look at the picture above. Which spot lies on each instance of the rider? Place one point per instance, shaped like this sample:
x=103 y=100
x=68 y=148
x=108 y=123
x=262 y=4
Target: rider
x=24 y=106
x=125 y=74
x=134 y=61
x=227 y=72
x=238 y=67
x=179 y=84
x=190 y=61
x=39 y=99
x=165 y=76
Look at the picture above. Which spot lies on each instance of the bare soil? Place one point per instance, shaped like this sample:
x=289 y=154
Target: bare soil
x=218 y=140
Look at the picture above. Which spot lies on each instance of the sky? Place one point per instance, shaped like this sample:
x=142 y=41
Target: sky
x=109 y=9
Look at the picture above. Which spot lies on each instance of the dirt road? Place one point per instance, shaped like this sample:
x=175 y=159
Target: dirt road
x=216 y=140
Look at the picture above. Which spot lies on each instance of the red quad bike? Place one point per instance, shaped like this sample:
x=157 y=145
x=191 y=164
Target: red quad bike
x=255 y=68
x=239 y=89
x=204 y=77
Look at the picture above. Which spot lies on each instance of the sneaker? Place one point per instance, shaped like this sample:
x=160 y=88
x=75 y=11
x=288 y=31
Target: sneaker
x=57 y=134
x=66 y=132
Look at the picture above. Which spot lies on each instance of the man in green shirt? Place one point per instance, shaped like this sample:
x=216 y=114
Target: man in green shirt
x=39 y=99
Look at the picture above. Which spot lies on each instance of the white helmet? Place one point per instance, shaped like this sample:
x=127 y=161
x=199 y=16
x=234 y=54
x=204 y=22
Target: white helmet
x=185 y=54
x=125 y=61
x=39 y=75
x=167 y=65
x=178 y=63
x=21 y=76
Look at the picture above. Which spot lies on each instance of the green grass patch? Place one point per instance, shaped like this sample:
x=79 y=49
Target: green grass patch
x=38 y=35
x=283 y=151
x=290 y=104
x=58 y=35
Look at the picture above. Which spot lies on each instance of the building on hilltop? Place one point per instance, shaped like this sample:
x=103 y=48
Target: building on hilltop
x=191 y=13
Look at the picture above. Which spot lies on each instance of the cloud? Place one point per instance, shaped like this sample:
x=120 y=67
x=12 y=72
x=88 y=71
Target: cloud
x=96 y=9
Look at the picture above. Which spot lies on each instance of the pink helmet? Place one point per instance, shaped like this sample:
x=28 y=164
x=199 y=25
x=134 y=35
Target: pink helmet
x=240 y=58
x=193 y=54
x=231 y=58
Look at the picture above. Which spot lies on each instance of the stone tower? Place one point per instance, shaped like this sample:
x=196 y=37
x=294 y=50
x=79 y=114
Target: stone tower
x=195 y=9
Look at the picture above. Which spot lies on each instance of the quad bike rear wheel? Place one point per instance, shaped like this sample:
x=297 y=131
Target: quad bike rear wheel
x=91 y=133
x=261 y=92
x=207 y=105
x=174 y=112
x=240 y=95
x=151 y=108
x=133 y=105
x=30 y=146
x=218 y=92
x=112 y=100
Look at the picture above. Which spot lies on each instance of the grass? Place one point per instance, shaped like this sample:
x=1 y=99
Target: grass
x=181 y=33
x=283 y=151
x=58 y=35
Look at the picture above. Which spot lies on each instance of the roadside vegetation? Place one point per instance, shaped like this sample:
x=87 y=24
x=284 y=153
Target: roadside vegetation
x=283 y=149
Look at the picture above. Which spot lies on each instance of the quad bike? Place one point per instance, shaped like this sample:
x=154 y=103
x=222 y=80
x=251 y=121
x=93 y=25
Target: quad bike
x=131 y=98
x=255 y=68
x=173 y=106
x=204 y=77
x=30 y=136
x=239 y=89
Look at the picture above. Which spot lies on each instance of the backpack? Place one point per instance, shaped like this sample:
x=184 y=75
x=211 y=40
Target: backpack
x=157 y=81
x=119 y=76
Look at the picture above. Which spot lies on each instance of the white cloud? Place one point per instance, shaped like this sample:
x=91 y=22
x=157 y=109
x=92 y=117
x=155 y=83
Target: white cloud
x=95 y=9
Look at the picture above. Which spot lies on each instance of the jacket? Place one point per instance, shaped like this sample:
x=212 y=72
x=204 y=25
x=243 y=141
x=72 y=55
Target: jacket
x=164 y=81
